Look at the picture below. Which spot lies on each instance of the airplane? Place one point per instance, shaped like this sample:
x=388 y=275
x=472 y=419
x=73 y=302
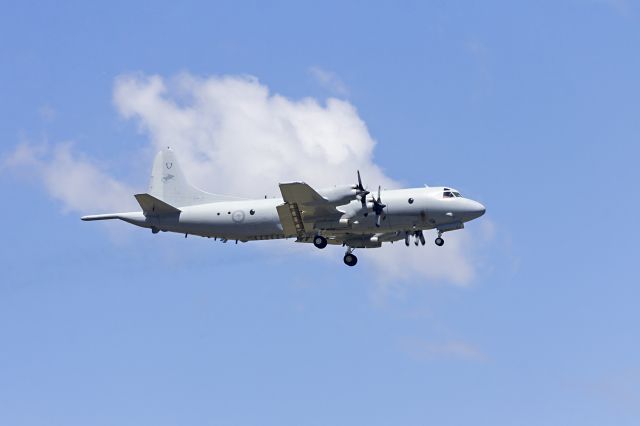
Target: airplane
x=347 y=215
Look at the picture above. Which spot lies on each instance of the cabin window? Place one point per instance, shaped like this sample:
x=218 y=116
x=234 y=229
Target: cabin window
x=218 y=213
x=252 y=212
x=410 y=200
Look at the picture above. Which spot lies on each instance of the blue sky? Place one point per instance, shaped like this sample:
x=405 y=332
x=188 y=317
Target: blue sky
x=531 y=109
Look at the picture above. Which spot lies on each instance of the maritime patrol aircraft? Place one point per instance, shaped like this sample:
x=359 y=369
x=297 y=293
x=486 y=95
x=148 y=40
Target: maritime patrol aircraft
x=348 y=215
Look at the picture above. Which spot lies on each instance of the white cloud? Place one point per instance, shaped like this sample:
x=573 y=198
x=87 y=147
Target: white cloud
x=232 y=135
x=75 y=181
x=450 y=262
x=329 y=80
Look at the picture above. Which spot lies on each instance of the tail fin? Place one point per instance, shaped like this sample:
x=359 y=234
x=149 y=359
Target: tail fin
x=168 y=184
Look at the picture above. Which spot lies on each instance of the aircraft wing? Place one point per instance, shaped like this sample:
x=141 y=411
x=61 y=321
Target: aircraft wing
x=304 y=210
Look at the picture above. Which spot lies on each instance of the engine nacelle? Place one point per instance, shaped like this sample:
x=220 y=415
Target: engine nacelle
x=339 y=195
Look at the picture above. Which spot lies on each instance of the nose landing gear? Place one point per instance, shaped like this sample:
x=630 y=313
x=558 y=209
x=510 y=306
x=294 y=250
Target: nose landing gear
x=439 y=240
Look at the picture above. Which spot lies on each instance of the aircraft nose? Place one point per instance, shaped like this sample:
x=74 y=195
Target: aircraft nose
x=478 y=209
x=475 y=209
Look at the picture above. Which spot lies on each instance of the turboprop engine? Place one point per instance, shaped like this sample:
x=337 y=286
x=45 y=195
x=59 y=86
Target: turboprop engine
x=340 y=195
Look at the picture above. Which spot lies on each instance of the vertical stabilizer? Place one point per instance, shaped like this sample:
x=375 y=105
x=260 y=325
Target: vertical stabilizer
x=169 y=184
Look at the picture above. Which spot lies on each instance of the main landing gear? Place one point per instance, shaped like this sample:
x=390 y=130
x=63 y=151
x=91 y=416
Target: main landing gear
x=319 y=241
x=439 y=240
x=350 y=259
x=418 y=238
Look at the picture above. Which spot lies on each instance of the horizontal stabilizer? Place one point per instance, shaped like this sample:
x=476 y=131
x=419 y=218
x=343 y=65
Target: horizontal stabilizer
x=152 y=205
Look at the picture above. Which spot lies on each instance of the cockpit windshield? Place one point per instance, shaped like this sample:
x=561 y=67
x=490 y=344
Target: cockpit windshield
x=451 y=194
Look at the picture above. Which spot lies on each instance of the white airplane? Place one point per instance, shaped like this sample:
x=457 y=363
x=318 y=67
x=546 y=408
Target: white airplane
x=343 y=215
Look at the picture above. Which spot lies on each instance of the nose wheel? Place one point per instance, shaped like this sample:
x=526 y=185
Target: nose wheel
x=439 y=240
x=319 y=241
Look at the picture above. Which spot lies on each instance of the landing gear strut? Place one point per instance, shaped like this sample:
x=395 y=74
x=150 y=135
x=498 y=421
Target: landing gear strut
x=439 y=240
x=418 y=238
x=319 y=241
x=350 y=259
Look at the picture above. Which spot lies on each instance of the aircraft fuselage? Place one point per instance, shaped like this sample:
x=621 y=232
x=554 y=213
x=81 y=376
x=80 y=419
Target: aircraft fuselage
x=245 y=220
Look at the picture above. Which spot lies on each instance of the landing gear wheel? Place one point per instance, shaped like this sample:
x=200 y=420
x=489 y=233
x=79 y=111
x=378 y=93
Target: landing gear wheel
x=319 y=241
x=350 y=259
x=439 y=242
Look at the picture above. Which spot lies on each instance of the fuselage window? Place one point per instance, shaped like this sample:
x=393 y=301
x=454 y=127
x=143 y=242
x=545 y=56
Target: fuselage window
x=218 y=213
x=252 y=212
x=410 y=200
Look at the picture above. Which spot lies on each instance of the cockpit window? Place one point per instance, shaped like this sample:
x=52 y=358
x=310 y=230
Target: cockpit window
x=450 y=194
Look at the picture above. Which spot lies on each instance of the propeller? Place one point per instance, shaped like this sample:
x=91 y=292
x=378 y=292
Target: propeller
x=361 y=192
x=378 y=207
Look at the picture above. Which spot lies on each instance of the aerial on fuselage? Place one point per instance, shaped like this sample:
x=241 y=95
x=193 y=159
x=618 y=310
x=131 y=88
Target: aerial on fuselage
x=348 y=215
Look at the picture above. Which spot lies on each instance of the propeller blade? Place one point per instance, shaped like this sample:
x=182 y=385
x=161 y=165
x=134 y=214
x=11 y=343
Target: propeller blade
x=378 y=220
x=361 y=192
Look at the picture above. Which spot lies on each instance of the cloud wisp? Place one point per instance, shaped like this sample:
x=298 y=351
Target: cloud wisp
x=329 y=80
x=233 y=135
x=422 y=349
x=74 y=180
